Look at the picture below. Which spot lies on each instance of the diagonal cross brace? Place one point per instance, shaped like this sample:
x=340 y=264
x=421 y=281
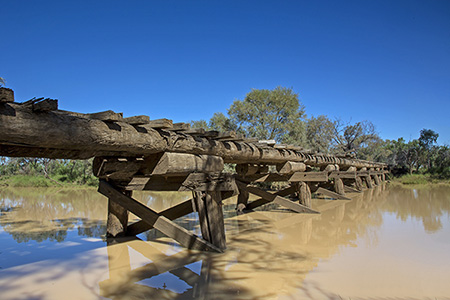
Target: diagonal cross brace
x=171 y=213
x=163 y=224
x=331 y=194
x=268 y=197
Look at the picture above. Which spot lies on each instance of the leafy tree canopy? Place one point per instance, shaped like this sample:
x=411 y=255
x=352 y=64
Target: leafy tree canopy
x=270 y=114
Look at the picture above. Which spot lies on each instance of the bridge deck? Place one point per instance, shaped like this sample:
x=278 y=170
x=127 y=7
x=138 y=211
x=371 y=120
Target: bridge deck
x=137 y=153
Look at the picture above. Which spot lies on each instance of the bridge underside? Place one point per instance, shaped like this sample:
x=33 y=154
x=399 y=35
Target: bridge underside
x=137 y=153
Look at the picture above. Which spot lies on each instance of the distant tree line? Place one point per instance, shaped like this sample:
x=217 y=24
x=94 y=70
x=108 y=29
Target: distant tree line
x=58 y=170
x=279 y=115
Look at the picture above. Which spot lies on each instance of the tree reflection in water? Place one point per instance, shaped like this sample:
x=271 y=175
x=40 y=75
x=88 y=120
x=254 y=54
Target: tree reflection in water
x=270 y=251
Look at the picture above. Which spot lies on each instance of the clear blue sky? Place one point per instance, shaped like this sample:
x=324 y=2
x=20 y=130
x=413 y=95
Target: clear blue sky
x=383 y=61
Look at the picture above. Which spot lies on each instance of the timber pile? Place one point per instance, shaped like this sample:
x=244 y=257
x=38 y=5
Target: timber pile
x=136 y=153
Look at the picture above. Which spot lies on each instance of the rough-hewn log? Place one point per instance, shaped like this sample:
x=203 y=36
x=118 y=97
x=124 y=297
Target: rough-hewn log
x=376 y=179
x=339 y=186
x=6 y=95
x=290 y=167
x=250 y=169
x=368 y=181
x=116 y=224
x=358 y=183
x=242 y=200
x=304 y=194
x=137 y=120
x=60 y=134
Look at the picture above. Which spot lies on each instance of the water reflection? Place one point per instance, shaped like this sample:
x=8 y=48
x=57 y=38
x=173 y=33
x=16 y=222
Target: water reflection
x=271 y=253
x=48 y=214
x=429 y=204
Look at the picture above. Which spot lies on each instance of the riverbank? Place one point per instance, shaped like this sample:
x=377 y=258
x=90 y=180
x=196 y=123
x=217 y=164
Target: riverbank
x=415 y=179
x=41 y=181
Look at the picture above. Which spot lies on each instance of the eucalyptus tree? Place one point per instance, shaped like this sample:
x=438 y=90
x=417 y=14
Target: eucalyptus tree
x=270 y=114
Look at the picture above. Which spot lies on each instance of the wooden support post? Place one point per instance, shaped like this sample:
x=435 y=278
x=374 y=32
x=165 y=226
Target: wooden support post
x=163 y=224
x=116 y=224
x=368 y=180
x=339 y=186
x=383 y=177
x=304 y=193
x=358 y=183
x=242 y=200
x=376 y=179
x=209 y=208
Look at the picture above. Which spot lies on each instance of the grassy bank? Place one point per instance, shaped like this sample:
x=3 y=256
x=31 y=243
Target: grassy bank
x=413 y=179
x=39 y=181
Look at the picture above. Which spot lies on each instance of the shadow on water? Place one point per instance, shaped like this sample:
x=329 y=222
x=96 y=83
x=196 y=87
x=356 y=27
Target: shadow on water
x=270 y=250
x=269 y=253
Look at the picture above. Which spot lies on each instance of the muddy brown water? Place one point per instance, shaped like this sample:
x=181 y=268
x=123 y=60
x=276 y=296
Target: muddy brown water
x=388 y=242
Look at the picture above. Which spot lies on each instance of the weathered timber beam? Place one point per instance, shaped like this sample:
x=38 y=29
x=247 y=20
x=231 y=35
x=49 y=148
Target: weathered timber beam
x=106 y=116
x=261 y=201
x=275 y=198
x=350 y=189
x=296 y=177
x=250 y=169
x=331 y=194
x=342 y=174
x=290 y=167
x=137 y=120
x=6 y=95
x=171 y=213
x=180 y=126
x=161 y=223
x=59 y=134
x=168 y=163
x=192 y=182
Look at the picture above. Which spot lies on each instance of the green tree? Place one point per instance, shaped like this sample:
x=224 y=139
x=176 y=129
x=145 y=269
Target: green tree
x=320 y=133
x=353 y=137
x=200 y=124
x=428 y=149
x=441 y=162
x=270 y=114
x=377 y=149
x=222 y=123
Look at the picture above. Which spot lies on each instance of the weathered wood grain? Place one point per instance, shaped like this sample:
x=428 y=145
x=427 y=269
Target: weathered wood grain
x=290 y=167
x=79 y=136
x=137 y=120
x=161 y=223
x=171 y=213
x=275 y=198
x=331 y=194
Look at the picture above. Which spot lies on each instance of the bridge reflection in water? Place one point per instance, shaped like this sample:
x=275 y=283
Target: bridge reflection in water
x=272 y=252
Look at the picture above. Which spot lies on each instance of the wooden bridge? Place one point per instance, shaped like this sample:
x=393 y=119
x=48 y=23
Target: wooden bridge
x=137 y=153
